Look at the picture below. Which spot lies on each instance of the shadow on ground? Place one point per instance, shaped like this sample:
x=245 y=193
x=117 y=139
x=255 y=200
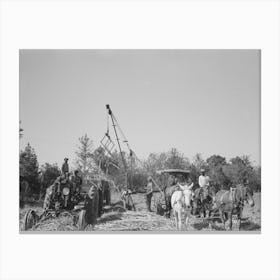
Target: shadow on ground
x=246 y=225
x=110 y=217
x=249 y=225
x=206 y=225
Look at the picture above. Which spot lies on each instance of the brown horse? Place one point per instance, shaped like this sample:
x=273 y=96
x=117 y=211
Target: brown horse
x=231 y=202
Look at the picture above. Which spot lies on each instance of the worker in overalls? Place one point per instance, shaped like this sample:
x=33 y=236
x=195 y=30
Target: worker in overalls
x=149 y=193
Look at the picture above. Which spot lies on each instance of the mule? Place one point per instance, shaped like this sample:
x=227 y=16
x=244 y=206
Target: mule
x=203 y=201
x=231 y=202
x=181 y=205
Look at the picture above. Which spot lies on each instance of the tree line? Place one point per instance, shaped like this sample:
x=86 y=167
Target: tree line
x=94 y=163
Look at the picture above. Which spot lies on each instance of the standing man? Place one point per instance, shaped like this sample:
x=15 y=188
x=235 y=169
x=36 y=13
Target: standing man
x=65 y=167
x=149 y=193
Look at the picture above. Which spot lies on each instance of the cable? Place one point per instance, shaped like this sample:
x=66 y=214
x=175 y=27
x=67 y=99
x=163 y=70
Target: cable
x=107 y=124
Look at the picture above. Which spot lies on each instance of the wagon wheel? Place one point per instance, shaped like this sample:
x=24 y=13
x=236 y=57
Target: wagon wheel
x=82 y=220
x=30 y=219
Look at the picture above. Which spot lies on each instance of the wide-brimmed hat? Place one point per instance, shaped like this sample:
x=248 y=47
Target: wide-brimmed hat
x=202 y=170
x=66 y=158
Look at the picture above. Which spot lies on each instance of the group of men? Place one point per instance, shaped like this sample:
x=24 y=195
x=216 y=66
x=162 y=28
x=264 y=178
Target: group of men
x=203 y=182
x=66 y=179
x=75 y=180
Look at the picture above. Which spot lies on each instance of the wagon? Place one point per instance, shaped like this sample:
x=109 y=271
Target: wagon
x=84 y=208
x=163 y=204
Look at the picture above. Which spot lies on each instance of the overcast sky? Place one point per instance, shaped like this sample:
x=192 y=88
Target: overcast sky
x=199 y=101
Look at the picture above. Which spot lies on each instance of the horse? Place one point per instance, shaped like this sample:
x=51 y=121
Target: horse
x=231 y=202
x=203 y=201
x=181 y=204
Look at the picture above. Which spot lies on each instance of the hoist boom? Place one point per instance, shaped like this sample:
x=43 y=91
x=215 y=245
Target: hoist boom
x=115 y=124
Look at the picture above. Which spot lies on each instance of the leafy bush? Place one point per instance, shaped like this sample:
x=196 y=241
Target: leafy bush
x=49 y=173
x=28 y=168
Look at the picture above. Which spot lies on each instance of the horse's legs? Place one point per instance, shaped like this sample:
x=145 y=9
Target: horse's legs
x=179 y=219
x=239 y=224
x=230 y=220
x=239 y=221
x=222 y=217
x=202 y=213
x=210 y=220
x=176 y=218
x=207 y=212
x=187 y=221
x=210 y=225
x=225 y=215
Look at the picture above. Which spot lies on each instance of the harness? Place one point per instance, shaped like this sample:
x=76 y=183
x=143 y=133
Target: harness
x=184 y=202
x=232 y=197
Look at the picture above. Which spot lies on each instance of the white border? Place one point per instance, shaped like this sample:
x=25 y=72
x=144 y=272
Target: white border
x=191 y=25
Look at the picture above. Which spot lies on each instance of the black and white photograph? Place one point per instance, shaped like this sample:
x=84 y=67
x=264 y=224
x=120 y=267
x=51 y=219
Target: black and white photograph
x=140 y=140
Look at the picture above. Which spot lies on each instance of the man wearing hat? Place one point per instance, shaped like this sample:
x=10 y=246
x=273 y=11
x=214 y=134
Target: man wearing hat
x=65 y=167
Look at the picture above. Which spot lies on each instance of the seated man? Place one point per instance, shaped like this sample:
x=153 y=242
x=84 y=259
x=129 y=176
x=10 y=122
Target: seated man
x=62 y=181
x=76 y=181
x=203 y=182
